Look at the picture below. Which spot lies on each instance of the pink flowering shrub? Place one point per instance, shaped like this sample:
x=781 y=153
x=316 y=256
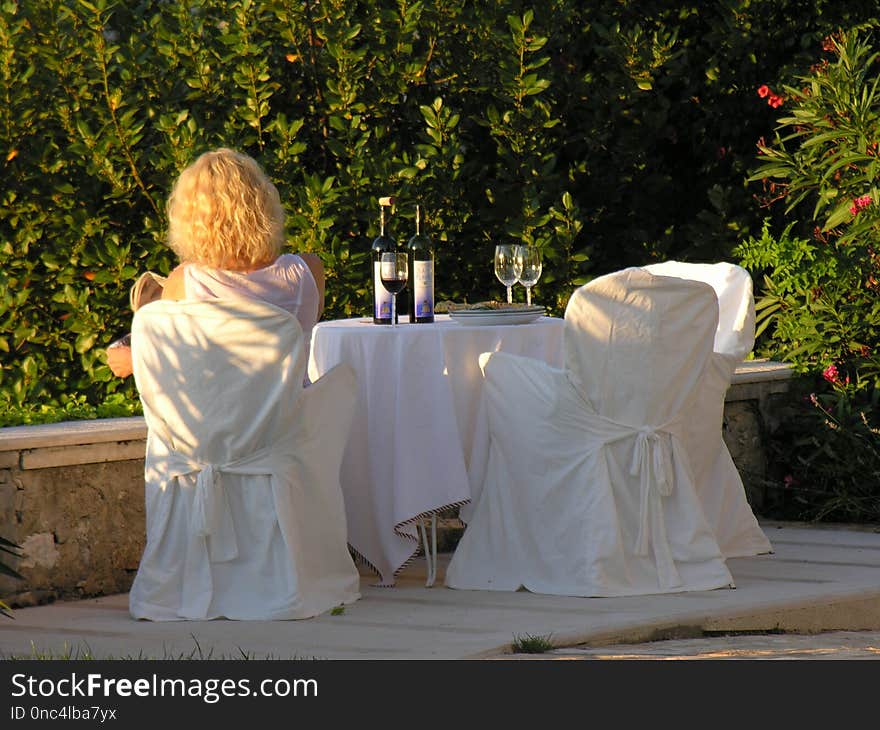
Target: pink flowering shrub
x=818 y=293
x=818 y=282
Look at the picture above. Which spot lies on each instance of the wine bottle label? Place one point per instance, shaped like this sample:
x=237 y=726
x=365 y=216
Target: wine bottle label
x=381 y=296
x=423 y=288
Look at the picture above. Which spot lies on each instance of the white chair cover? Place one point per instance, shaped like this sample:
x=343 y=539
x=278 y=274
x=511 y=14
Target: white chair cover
x=718 y=483
x=588 y=490
x=244 y=511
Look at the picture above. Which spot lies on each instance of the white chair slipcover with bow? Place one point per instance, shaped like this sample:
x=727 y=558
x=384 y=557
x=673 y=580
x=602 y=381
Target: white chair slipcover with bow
x=244 y=511
x=588 y=490
x=716 y=478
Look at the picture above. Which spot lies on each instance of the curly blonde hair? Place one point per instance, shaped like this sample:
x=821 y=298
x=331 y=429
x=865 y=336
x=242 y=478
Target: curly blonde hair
x=224 y=212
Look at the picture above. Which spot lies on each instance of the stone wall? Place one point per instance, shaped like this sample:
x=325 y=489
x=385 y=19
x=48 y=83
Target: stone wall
x=750 y=415
x=72 y=496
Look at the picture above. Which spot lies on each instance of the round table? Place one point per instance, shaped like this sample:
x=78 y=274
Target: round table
x=418 y=422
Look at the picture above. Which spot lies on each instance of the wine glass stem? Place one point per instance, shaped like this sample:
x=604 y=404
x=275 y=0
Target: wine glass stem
x=509 y=295
x=528 y=296
x=394 y=310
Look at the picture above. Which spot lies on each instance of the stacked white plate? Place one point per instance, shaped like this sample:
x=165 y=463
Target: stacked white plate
x=514 y=315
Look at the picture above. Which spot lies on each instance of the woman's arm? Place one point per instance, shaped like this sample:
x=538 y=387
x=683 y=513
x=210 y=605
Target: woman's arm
x=119 y=353
x=316 y=266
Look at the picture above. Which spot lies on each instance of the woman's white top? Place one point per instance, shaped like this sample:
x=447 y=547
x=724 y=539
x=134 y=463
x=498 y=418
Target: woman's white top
x=287 y=283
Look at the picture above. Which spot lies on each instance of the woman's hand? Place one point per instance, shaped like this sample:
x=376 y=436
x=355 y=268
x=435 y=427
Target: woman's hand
x=119 y=360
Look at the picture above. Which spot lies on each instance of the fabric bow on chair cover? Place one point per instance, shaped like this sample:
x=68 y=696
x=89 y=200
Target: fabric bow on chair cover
x=245 y=517
x=716 y=478
x=588 y=490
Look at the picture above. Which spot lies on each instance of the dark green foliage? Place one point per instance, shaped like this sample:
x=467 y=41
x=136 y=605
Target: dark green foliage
x=825 y=455
x=609 y=133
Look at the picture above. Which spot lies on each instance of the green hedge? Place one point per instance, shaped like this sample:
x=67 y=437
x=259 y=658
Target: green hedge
x=609 y=133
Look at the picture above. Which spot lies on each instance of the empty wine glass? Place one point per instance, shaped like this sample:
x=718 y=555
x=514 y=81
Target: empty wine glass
x=505 y=268
x=393 y=271
x=528 y=260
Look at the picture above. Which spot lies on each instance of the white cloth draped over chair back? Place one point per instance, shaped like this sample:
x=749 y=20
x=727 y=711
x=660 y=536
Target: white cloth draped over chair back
x=717 y=480
x=735 y=335
x=245 y=517
x=588 y=489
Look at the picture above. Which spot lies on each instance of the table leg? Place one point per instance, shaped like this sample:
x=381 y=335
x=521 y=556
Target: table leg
x=430 y=549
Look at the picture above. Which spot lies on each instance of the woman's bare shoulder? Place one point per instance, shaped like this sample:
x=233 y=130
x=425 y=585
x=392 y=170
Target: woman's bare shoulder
x=174 y=286
x=312 y=259
x=316 y=266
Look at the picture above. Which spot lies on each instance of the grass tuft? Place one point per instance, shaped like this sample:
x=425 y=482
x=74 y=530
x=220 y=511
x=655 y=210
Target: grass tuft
x=530 y=644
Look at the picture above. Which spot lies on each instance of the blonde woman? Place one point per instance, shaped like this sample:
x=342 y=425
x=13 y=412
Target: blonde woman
x=226 y=225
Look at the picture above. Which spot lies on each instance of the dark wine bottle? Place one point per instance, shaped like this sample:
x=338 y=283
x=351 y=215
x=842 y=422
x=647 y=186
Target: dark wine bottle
x=421 y=275
x=381 y=244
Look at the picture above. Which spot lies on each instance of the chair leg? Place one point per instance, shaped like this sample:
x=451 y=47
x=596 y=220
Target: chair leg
x=430 y=548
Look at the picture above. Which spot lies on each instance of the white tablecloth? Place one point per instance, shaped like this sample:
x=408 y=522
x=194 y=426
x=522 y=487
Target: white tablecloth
x=417 y=420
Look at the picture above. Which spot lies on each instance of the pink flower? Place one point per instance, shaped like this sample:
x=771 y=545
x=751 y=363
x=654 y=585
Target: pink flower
x=773 y=100
x=860 y=204
x=830 y=374
x=789 y=481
